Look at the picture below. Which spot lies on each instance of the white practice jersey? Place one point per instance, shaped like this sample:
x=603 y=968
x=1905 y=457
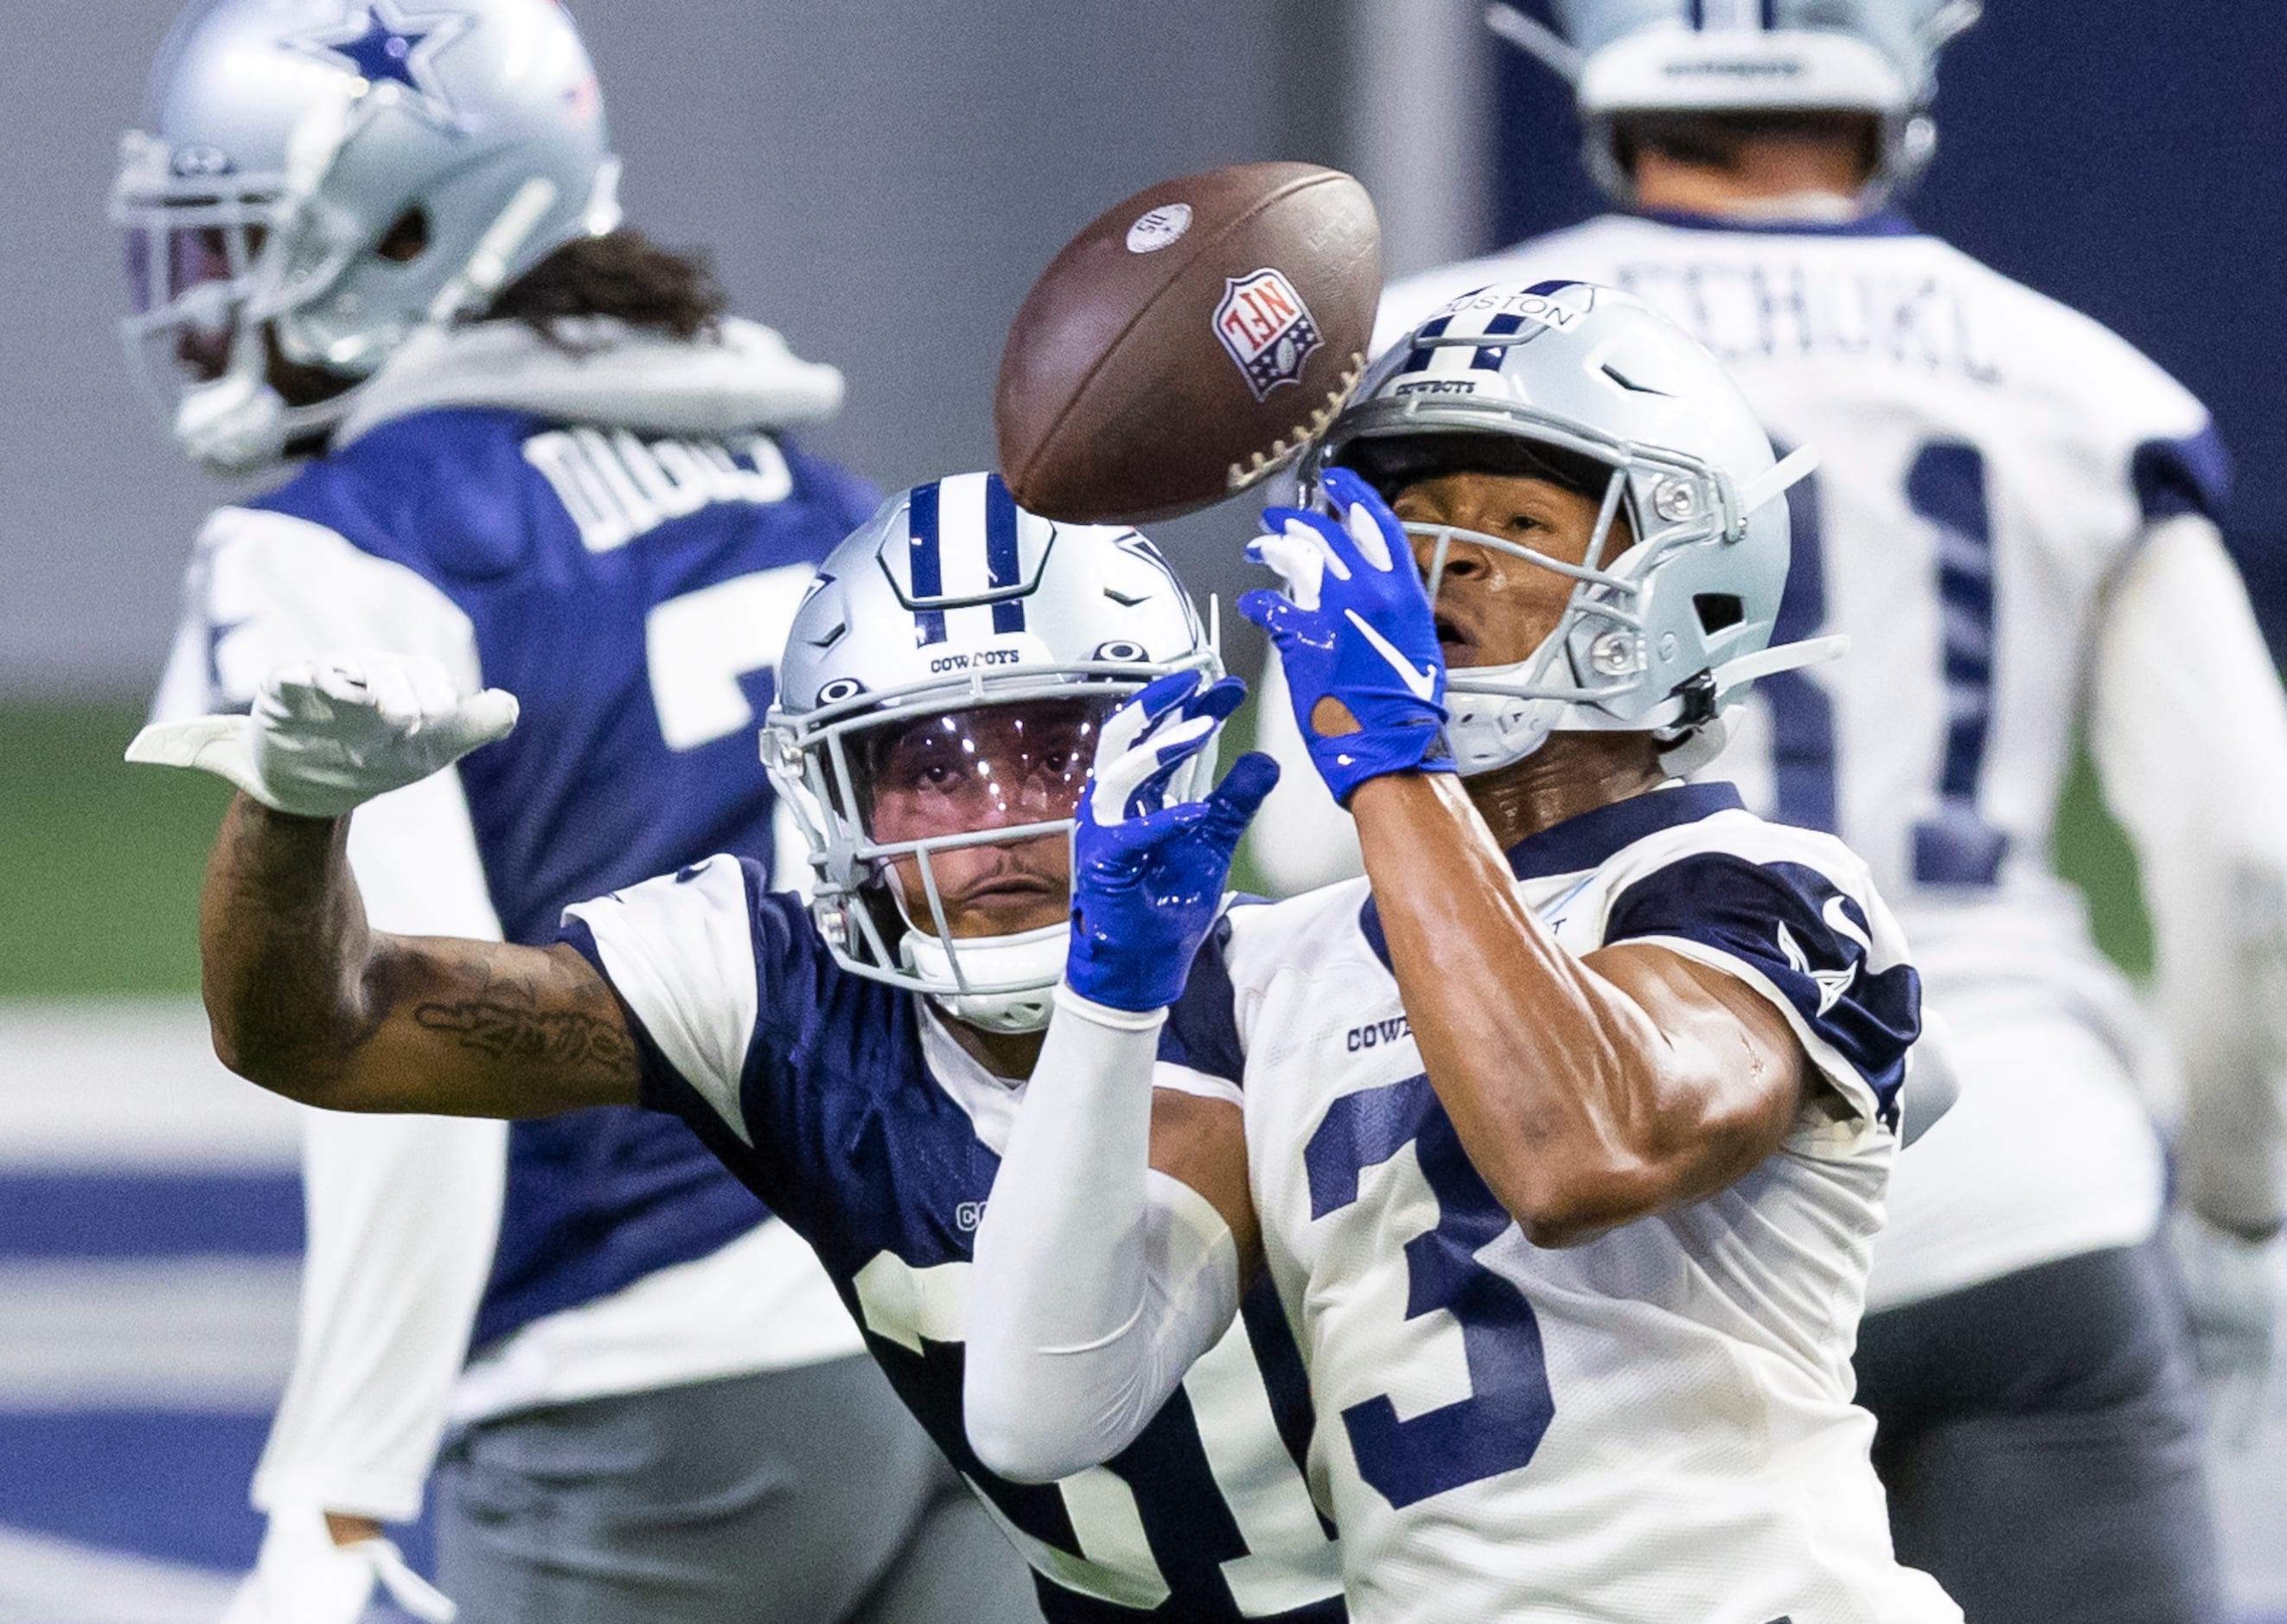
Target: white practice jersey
x=1990 y=461
x=1655 y=1425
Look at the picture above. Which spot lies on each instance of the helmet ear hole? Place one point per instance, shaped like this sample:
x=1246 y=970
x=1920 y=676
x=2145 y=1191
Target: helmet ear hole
x=406 y=238
x=1718 y=611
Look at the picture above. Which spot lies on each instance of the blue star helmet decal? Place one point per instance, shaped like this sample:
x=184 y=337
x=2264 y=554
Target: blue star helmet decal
x=384 y=44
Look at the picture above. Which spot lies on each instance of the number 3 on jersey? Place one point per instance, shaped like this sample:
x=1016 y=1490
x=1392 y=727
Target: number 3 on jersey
x=1498 y=1427
x=699 y=645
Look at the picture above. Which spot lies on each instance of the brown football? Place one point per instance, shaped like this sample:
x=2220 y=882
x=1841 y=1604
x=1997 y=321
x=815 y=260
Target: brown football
x=1190 y=342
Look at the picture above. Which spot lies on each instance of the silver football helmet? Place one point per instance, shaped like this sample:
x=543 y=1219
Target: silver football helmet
x=1739 y=56
x=950 y=604
x=286 y=140
x=1663 y=636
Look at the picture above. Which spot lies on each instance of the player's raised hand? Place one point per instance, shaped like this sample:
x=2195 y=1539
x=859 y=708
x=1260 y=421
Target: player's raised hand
x=1353 y=627
x=325 y=736
x=1148 y=865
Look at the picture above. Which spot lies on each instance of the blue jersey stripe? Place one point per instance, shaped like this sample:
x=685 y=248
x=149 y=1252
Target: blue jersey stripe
x=925 y=561
x=1000 y=553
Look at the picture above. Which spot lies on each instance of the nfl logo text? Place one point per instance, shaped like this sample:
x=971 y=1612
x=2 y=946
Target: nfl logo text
x=1266 y=326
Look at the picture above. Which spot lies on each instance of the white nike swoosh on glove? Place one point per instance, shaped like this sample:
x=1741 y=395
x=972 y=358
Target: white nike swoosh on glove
x=1422 y=684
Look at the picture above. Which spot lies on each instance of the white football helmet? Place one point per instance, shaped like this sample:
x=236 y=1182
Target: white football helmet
x=1749 y=56
x=950 y=601
x=287 y=139
x=1589 y=385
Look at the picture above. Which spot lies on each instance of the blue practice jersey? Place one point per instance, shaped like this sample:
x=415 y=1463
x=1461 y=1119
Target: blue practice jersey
x=861 y=1123
x=633 y=592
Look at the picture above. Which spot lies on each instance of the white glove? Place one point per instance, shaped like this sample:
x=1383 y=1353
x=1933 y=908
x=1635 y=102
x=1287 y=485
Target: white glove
x=325 y=736
x=302 y=1577
x=2233 y=1290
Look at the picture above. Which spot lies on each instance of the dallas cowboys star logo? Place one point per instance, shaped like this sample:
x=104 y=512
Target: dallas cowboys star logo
x=384 y=44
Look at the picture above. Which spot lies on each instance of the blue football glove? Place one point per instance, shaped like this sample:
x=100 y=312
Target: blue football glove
x=1354 y=625
x=1148 y=876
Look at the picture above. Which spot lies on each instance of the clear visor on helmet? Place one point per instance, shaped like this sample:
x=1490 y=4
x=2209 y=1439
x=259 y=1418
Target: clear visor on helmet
x=939 y=822
x=965 y=816
x=190 y=259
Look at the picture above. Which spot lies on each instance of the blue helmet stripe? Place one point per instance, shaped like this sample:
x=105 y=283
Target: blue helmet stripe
x=1696 y=13
x=1490 y=358
x=1771 y=15
x=1418 y=360
x=925 y=566
x=1000 y=558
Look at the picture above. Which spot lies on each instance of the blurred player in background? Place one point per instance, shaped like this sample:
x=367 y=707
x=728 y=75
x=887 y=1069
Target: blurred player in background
x=2016 y=521
x=857 y=1060
x=384 y=238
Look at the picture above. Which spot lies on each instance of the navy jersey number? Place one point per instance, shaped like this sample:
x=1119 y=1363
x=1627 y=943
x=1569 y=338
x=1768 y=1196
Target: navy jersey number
x=1498 y=1427
x=1954 y=846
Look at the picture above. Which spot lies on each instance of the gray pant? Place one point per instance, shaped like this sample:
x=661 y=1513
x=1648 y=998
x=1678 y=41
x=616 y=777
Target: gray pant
x=2039 y=1436
x=804 y=1496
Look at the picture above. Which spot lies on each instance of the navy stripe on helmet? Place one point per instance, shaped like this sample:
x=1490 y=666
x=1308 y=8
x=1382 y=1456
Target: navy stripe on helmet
x=924 y=565
x=1000 y=553
x=1488 y=358
x=1417 y=359
x=1771 y=15
x=1696 y=13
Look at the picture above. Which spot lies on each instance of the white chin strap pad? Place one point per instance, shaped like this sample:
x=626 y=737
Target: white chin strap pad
x=1012 y=980
x=234 y=425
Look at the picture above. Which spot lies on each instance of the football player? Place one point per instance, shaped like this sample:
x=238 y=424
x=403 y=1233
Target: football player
x=2015 y=524
x=382 y=240
x=856 y=1061
x=1565 y=1142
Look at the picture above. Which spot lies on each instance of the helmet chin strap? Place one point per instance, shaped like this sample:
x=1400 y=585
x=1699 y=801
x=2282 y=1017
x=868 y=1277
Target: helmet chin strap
x=1490 y=730
x=1012 y=979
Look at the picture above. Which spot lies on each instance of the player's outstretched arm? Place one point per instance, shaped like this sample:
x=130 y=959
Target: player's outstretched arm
x=1111 y=1254
x=307 y=1002
x=1588 y=1090
x=304 y=998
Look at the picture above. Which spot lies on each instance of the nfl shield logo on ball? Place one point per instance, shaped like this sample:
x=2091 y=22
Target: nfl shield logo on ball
x=1266 y=326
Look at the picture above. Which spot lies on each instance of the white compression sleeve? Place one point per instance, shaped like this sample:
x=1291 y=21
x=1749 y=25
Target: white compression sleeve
x=1098 y=1280
x=403 y=1213
x=1317 y=843
x=2189 y=732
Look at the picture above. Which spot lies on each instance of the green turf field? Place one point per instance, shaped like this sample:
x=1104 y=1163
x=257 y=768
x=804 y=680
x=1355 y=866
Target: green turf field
x=101 y=861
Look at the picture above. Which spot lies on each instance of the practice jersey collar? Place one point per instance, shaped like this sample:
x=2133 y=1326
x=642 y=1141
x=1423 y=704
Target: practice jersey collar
x=1583 y=843
x=1883 y=223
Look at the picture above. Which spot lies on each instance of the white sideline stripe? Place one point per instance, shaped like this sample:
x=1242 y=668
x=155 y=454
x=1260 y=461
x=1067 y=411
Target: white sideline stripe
x=210 y=1334
x=131 y=1084
x=48 y=1580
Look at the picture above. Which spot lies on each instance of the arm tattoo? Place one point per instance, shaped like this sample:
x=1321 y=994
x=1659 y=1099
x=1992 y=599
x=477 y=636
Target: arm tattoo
x=567 y=1038
x=516 y=1014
